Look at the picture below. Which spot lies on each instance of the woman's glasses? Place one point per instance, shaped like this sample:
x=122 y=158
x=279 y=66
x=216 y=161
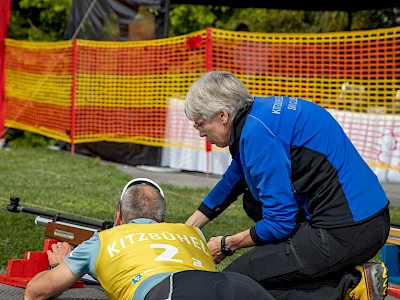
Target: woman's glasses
x=200 y=126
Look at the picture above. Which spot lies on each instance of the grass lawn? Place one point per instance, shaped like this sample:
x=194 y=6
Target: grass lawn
x=83 y=187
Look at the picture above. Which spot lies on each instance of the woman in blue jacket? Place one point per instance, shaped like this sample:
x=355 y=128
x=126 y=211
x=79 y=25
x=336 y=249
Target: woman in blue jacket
x=319 y=209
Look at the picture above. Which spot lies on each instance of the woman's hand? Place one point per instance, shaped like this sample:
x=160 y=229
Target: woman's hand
x=215 y=247
x=233 y=242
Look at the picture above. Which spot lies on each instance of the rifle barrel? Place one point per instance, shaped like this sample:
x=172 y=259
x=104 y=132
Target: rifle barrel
x=15 y=207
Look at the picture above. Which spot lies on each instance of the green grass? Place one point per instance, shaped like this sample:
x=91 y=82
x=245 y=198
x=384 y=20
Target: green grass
x=84 y=187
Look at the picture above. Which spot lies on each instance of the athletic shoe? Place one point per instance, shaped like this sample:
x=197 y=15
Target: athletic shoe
x=373 y=283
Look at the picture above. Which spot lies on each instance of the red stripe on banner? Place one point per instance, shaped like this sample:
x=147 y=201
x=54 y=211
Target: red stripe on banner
x=89 y=119
x=40 y=115
x=120 y=121
x=146 y=60
x=4 y=18
x=40 y=61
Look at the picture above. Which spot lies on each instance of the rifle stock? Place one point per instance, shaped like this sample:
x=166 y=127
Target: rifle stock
x=65 y=232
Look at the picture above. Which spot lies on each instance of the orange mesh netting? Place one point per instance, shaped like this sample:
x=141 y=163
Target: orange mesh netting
x=87 y=91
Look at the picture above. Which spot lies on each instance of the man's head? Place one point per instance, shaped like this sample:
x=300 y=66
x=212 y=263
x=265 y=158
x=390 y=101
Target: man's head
x=141 y=198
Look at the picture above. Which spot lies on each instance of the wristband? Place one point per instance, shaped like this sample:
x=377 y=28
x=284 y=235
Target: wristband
x=224 y=248
x=52 y=266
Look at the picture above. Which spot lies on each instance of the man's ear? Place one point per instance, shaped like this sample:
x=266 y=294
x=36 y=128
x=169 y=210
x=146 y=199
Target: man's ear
x=117 y=218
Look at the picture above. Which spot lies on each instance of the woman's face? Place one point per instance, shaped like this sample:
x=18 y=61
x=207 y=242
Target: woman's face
x=217 y=130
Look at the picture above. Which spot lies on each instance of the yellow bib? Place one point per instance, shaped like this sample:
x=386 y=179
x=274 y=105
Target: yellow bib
x=131 y=253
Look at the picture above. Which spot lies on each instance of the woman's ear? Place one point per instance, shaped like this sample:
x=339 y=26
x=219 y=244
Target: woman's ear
x=224 y=116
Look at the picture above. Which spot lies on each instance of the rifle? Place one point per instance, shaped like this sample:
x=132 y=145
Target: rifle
x=61 y=227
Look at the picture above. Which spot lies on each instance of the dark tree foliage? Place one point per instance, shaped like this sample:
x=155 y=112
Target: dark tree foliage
x=372 y=19
x=38 y=20
x=46 y=20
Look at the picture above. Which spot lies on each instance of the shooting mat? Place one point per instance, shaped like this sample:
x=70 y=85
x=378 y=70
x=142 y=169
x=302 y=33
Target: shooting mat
x=89 y=292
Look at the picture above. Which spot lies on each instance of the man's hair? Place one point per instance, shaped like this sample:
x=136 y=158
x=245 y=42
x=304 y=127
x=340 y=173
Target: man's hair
x=142 y=201
x=213 y=92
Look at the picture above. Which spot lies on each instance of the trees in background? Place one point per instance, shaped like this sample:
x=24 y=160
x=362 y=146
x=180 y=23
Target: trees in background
x=45 y=20
x=188 y=18
x=38 y=20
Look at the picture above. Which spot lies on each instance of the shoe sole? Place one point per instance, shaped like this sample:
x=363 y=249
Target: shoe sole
x=373 y=276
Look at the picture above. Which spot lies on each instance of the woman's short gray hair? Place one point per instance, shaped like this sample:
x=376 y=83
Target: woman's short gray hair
x=213 y=92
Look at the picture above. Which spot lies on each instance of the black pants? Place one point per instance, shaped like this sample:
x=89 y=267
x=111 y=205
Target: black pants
x=314 y=263
x=203 y=285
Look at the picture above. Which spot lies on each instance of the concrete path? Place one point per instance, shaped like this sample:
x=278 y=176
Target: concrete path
x=170 y=176
x=393 y=193
x=197 y=180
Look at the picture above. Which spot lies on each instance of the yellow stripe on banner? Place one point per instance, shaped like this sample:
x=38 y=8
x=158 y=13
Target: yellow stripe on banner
x=49 y=89
x=140 y=91
x=141 y=140
x=35 y=45
x=332 y=37
x=57 y=135
x=127 y=91
x=146 y=43
x=381 y=165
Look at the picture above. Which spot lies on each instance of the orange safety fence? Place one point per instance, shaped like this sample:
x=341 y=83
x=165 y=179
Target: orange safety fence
x=88 y=91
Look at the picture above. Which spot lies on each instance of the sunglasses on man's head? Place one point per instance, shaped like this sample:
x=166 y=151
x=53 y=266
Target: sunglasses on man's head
x=142 y=181
x=138 y=181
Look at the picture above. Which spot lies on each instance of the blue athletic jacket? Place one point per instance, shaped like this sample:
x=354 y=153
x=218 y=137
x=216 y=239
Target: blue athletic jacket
x=293 y=156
